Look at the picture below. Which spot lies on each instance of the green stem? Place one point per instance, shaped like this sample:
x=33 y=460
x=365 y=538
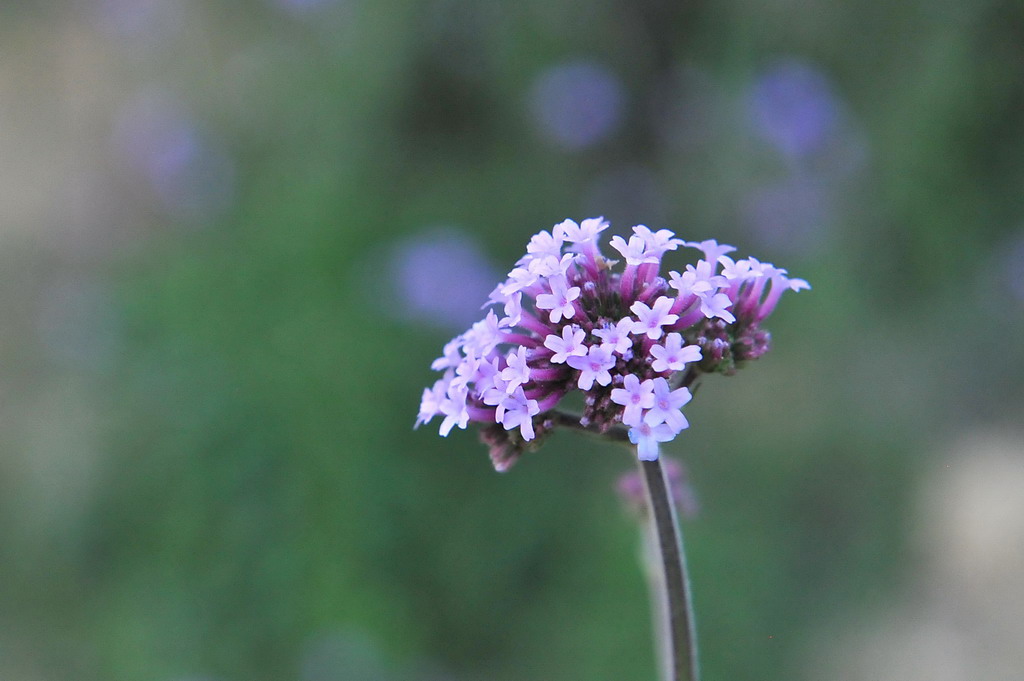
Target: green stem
x=655 y=573
x=681 y=625
x=668 y=545
x=616 y=433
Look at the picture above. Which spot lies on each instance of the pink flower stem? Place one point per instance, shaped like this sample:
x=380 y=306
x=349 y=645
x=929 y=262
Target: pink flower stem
x=627 y=283
x=528 y=321
x=520 y=339
x=548 y=373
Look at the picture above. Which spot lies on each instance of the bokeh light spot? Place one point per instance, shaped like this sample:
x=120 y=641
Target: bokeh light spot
x=792 y=107
x=577 y=104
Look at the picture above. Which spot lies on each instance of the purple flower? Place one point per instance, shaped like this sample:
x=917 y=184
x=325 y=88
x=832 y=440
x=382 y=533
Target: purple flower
x=451 y=355
x=667 y=405
x=430 y=404
x=485 y=335
x=559 y=301
x=594 y=366
x=584 y=233
x=673 y=356
x=712 y=249
x=569 y=343
x=651 y=319
x=646 y=438
x=616 y=336
x=517 y=372
x=519 y=413
x=551 y=266
x=716 y=305
x=571 y=322
x=545 y=244
x=657 y=243
x=749 y=268
x=453 y=406
x=513 y=311
x=635 y=252
x=493 y=393
x=634 y=396
x=700 y=279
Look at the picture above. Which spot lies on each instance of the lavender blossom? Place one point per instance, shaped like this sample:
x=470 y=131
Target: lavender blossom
x=634 y=397
x=577 y=104
x=630 y=341
x=793 y=107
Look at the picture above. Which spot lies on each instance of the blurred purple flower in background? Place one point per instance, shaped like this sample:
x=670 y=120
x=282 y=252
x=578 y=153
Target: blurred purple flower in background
x=630 y=487
x=577 y=104
x=190 y=174
x=792 y=106
x=441 y=277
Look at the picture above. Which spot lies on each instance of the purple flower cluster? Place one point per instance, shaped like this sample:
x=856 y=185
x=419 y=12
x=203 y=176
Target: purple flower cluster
x=630 y=341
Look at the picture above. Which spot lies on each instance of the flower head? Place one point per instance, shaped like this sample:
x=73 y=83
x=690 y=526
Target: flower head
x=629 y=341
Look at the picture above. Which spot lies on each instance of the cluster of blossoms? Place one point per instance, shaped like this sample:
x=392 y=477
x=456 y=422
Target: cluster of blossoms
x=632 y=342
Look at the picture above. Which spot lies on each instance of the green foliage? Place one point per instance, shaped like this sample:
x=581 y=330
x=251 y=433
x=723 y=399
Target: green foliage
x=260 y=491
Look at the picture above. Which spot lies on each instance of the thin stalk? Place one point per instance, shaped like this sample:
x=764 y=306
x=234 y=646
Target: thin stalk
x=651 y=562
x=672 y=605
x=682 y=631
x=616 y=433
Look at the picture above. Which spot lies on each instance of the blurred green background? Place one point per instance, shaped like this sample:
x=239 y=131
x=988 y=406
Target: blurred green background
x=233 y=235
